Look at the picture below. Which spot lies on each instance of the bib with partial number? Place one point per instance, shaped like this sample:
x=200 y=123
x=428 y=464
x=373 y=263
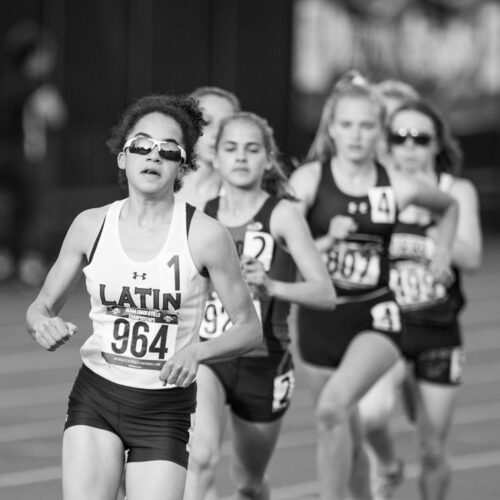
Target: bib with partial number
x=216 y=320
x=414 y=286
x=354 y=265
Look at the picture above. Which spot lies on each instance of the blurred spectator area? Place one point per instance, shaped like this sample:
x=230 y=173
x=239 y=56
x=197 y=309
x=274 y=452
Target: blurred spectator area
x=280 y=58
x=449 y=50
x=112 y=52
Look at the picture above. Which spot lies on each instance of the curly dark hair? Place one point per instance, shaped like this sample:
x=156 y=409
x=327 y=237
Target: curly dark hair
x=183 y=109
x=449 y=157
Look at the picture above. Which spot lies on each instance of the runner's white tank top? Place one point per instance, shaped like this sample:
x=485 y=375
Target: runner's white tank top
x=142 y=312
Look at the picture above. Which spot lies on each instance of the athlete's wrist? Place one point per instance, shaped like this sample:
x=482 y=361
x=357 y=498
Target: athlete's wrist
x=201 y=352
x=271 y=287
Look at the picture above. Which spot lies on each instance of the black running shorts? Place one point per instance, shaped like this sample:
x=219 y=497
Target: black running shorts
x=152 y=424
x=257 y=389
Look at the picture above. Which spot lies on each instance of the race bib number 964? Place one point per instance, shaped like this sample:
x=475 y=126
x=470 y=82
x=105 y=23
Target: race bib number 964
x=142 y=338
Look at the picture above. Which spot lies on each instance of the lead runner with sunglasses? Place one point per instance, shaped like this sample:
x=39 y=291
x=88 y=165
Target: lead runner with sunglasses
x=147 y=260
x=422 y=146
x=351 y=204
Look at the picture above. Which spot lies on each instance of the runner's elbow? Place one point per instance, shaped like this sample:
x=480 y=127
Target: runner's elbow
x=328 y=298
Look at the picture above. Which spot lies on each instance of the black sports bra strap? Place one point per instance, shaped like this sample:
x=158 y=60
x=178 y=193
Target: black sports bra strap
x=190 y=210
x=189 y=216
x=94 y=246
x=212 y=207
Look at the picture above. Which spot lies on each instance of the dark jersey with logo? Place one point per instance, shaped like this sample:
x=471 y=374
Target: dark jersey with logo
x=423 y=301
x=360 y=263
x=254 y=239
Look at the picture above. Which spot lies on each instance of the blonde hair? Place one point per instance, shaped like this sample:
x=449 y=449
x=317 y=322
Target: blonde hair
x=352 y=84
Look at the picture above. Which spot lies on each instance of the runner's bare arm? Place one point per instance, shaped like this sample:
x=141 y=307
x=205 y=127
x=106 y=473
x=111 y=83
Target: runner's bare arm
x=414 y=191
x=42 y=320
x=468 y=245
x=214 y=249
x=304 y=182
x=290 y=227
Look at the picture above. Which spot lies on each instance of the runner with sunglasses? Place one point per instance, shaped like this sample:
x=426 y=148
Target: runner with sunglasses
x=271 y=236
x=393 y=94
x=351 y=204
x=205 y=184
x=422 y=146
x=146 y=260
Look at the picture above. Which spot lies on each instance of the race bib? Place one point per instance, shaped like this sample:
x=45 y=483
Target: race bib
x=260 y=246
x=283 y=389
x=414 y=286
x=142 y=338
x=386 y=317
x=354 y=265
x=382 y=205
x=457 y=365
x=215 y=320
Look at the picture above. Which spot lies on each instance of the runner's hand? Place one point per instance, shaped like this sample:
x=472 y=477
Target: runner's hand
x=254 y=275
x=52 y=333
x=440 y=266
x=181 y=368
x=341 y=226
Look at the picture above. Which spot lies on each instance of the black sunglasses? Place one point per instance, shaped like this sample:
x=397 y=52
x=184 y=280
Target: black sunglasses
x=402 y=135
x=168 y=150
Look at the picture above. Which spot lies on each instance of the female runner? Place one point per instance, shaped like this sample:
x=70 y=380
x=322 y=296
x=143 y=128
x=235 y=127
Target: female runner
x=351 y=204
x=422 y=146
x=146 y=259
x=377 y=406
x=270 y=235
x=204 y=184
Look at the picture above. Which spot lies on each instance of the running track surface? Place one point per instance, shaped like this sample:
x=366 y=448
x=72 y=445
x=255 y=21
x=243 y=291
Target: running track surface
x=34 y=385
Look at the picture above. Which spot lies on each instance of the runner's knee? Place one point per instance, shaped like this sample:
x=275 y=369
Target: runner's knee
x=249 y=486
x=375 y=418
x=203 y=459
x=432 y=456
x=330 y=414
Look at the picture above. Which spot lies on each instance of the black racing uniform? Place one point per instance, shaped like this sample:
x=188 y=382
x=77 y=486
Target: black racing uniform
x=258 y=385
x=432 y=338
x=359 y=269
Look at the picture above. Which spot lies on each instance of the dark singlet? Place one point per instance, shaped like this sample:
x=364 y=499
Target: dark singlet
x=254 y=239
x=423 y=301
x=360 y=263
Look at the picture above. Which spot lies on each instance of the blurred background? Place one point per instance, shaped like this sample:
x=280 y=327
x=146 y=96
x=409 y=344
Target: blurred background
x=280 y=57
x=68 y=70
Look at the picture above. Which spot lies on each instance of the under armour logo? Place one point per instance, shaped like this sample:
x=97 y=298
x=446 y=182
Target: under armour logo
x=354 y=207
x=137 y=275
